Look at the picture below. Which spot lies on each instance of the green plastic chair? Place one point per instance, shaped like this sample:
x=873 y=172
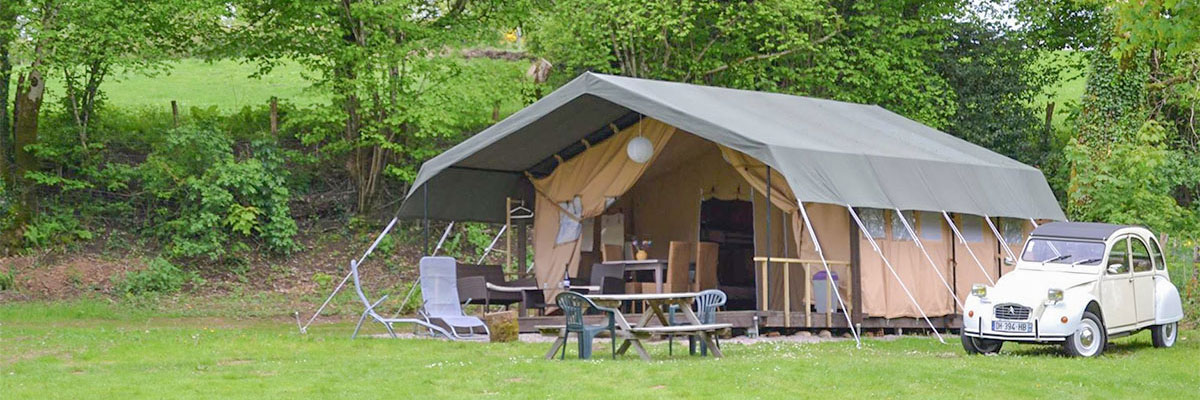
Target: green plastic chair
x=707 y=303
x=574 y=307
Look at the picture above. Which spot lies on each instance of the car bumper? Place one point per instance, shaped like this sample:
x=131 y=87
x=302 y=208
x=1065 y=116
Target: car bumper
x=1046 y=329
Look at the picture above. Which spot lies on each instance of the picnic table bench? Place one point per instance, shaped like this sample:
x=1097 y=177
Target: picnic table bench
x=633 y=333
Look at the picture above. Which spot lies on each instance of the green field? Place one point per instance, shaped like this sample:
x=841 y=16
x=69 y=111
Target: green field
x=92 y=350
x=225 y=84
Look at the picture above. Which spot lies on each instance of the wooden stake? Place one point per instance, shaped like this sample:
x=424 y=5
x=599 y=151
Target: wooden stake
x=274 y=116
x=175 y=113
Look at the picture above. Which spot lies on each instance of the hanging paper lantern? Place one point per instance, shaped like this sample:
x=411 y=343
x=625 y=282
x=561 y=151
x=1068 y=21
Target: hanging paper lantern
x=640 y=149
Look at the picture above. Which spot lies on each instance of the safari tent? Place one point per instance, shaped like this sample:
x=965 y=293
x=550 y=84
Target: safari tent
x=751 y=172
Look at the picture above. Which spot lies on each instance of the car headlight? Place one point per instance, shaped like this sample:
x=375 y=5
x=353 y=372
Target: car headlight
x=979 y=290
x=1054 y=296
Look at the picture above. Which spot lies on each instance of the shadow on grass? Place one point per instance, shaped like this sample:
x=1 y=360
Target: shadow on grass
x=1121 y=347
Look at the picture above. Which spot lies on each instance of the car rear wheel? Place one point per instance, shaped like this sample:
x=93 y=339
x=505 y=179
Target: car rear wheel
x=1164 y=335
x=974 y=345
x=1089 y=339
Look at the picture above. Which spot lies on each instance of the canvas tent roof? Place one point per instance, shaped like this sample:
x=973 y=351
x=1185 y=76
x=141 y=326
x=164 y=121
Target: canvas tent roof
x=829 y=151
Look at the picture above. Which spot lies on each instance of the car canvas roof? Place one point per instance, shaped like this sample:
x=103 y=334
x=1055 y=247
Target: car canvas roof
x=1078 y=230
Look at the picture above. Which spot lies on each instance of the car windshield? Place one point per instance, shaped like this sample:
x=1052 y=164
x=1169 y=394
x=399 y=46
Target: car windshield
x=1063 y=251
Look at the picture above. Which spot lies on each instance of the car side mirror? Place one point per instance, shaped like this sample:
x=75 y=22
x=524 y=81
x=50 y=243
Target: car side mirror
x=1009 y=261
x=1117 y=268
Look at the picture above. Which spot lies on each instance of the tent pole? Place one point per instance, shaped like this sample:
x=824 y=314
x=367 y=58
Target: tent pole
x=1034 y=222
x=1003 y=243
x=304 y=329
x=887 y=263
x=767 y=265
x=812 y=232
x=425 y=220
x=917 y=240
x=963 y=240
x=508 y=232
x=492 y=245
x=445 y=235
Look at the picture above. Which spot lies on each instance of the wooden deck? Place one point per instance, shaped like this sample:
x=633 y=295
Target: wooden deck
x=775 y=320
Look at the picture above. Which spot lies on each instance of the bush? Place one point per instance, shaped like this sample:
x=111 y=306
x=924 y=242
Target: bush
x=8 y=280
x=54 y=228
x=214 y=198
x=159 y=276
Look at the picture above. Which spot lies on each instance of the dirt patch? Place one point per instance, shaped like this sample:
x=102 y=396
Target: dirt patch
x=301 y=276
x=63 y=277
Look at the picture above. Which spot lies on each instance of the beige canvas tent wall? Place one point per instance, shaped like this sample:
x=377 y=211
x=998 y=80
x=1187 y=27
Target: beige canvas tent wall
x=564 y=154
x=662 y=204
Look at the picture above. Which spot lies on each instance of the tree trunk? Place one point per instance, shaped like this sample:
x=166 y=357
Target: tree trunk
x=5 y=125
x=30 y=90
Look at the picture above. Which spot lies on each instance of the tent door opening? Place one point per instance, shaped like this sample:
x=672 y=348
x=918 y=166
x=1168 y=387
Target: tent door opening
x=730 y=224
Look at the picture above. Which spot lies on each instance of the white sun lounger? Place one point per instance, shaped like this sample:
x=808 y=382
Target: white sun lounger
x=439 y=289
x=387 y=322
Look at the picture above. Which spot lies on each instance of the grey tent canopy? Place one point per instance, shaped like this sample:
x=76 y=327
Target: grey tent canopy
x=829 y=151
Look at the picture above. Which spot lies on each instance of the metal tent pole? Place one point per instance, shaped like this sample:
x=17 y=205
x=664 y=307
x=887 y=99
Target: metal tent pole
x=1034 y=222
x=425 y=219
x=887 y=263
x=304 y=328
x=1003 y=243
x=445 y=234
x=492 y=245
x=967 y=246
x=812 y=232
x=917 y=240
x=767 y=267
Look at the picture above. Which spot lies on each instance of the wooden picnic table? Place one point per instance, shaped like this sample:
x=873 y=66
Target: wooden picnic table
x=657 y=304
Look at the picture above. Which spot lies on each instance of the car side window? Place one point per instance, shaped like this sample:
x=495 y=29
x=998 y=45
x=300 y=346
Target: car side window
x=1118 y=257
x=1140 y=256
x=1160 y=263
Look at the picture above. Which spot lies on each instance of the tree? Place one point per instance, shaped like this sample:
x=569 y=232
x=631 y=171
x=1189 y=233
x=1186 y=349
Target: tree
x=387 y=64
x=1127 y=165
x=996 y=79
x=871 y=52
x=85 y=41
x=8 y=33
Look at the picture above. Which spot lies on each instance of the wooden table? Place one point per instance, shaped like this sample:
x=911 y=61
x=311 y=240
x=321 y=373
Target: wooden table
x=658 y=304
x=658 y=266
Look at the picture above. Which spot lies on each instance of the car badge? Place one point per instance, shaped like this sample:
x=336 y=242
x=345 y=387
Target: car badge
x=1012 y=310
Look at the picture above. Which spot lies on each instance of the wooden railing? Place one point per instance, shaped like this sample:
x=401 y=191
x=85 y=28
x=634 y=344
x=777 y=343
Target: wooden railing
x=808 y=266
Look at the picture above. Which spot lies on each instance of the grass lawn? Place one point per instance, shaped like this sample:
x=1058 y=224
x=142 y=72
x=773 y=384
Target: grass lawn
x=225 y=84
x=90 y=350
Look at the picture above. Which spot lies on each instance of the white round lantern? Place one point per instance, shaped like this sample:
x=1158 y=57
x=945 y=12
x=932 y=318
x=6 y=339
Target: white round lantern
x=640 y=149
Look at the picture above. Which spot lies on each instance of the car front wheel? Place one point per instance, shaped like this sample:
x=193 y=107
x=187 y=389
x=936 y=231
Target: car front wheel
x=1164 y=335
x=974 y=345
x=1089 y=339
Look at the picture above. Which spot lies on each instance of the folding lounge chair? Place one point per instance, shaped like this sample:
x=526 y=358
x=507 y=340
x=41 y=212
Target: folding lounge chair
x=439 y=289
x=387 y=322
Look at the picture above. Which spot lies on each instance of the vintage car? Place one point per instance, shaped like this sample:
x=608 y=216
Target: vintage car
x=1077 y=284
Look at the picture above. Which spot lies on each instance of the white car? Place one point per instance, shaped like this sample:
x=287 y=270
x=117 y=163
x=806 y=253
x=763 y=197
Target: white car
x=1077 y=284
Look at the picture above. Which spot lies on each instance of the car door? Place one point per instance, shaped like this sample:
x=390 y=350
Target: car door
x=1116 y=289
x=1143 y=280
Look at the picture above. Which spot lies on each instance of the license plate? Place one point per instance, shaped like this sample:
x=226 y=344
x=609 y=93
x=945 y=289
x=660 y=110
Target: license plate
x=1008 y=326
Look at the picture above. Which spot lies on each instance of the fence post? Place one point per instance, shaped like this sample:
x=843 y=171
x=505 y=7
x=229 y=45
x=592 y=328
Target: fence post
x=274 y=116
x=175 y=113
